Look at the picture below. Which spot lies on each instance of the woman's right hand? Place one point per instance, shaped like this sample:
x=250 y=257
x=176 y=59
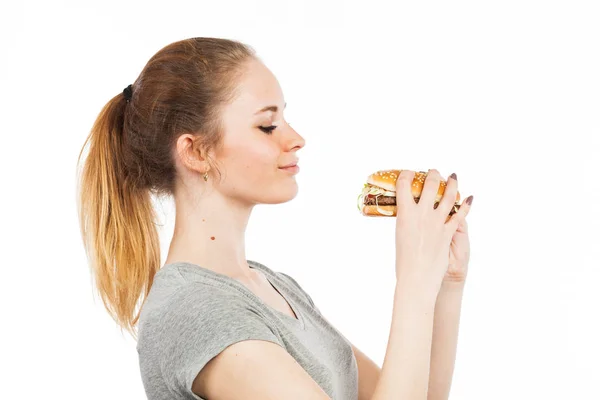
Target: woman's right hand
x=423 y=236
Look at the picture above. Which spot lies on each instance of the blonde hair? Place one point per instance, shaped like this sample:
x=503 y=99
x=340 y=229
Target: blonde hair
x=181 y=89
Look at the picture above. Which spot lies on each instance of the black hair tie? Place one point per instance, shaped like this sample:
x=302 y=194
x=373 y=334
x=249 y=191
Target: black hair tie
x=127 y=92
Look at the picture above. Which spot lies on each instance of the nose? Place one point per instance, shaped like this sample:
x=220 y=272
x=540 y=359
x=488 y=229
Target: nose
x=293 y=140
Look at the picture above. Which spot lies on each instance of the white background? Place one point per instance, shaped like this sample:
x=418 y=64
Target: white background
x=505 y=94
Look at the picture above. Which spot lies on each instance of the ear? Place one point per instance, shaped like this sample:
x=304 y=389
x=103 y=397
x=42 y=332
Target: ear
x=189 y=154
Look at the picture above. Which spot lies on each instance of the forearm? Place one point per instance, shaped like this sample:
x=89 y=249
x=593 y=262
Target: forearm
x=444 y=341
x=405 y=368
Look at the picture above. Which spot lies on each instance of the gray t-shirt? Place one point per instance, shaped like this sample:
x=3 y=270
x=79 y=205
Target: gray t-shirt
x=193 y=313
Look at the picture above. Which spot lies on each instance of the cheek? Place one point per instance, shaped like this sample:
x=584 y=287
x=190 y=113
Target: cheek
x=257 y=152
x=252 y=159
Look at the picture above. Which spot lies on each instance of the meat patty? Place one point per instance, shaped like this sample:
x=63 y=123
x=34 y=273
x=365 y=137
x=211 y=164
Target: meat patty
x=391 y=201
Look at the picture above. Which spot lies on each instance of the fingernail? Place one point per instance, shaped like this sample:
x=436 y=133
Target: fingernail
x=469 y=200
x=453 y=176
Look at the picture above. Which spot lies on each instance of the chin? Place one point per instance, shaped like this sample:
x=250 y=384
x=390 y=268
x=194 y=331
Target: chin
x=281 y=193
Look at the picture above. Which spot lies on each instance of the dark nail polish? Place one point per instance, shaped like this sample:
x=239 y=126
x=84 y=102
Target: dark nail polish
x=469 y=200
x=453 y=176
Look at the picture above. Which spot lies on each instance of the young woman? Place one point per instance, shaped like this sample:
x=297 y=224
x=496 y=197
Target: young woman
x=204 y=123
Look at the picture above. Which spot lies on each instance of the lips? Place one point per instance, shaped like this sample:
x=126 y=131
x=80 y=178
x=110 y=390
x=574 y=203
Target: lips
x=290 y=168
x=293 y=164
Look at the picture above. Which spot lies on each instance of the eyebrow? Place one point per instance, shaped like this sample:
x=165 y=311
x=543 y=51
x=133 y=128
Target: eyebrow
x=269 y=108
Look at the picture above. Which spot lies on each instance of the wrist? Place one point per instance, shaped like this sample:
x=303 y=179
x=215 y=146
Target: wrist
x=452 y=286
x=448 y=292
x=418 y=293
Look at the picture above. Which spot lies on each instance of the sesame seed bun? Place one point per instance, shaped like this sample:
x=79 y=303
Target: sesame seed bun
x=381 y=186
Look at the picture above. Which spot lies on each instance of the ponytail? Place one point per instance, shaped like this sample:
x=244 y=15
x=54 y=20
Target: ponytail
x=116 y=220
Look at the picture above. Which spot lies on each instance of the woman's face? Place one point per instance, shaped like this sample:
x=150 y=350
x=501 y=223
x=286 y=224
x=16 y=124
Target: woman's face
x=251 y=156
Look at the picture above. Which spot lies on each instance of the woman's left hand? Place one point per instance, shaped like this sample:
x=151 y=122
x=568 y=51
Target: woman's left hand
x=458 y=261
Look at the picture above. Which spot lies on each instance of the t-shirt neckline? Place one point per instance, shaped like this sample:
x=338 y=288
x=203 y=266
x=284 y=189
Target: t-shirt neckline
x=221 y=277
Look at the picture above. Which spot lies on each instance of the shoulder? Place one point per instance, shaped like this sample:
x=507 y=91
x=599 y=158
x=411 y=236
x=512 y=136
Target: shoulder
x=206 y=313
x=178 y=307
x=198 y=303
x=194 y=323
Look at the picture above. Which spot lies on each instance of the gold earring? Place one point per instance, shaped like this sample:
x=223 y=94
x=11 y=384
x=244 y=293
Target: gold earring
x=205 y=176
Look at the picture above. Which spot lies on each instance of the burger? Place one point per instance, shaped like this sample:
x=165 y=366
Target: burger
x=378 y=197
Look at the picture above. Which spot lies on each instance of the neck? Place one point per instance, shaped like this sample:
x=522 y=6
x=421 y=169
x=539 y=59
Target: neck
x=211 y=233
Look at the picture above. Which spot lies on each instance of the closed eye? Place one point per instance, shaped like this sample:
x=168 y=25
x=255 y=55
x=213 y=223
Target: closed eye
x=267 y=129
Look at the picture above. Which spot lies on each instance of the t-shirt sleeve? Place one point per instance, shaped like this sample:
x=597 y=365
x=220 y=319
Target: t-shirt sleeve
x=199 y=325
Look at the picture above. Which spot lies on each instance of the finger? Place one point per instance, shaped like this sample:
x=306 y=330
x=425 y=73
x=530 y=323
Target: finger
x=463 y=226
x=460 y=228
x=462 y=213
x=450 y=196
x=404 y=184
x=430 y=188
